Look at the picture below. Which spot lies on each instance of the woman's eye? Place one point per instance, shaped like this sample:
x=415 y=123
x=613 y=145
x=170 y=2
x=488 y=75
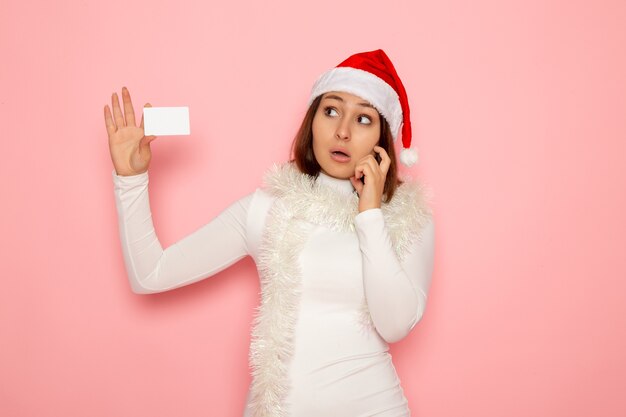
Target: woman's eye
x=367 y=119
x=329 y=109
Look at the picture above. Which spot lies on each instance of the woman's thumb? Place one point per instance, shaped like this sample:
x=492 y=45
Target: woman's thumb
x=145 y=105
x=145 y=141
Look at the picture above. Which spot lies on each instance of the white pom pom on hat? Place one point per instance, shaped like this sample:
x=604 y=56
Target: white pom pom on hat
x=372 y=76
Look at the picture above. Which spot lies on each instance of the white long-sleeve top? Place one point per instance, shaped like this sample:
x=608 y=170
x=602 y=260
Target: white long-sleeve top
x=393 y=293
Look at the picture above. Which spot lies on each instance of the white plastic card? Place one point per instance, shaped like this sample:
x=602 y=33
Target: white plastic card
x=162 y=121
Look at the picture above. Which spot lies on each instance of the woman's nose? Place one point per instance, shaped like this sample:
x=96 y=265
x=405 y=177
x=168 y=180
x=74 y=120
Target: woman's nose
x=343 y=130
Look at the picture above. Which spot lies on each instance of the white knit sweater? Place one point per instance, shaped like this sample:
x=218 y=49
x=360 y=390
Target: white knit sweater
x=341 y=286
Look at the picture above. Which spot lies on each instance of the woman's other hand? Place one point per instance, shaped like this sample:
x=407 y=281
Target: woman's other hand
x=374 y=177
x=129 y=147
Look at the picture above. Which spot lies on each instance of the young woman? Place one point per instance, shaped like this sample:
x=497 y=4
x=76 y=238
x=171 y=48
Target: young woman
x=343 y=247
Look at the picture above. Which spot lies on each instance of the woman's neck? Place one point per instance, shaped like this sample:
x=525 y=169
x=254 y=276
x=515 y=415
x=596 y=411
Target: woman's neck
x=344 y=186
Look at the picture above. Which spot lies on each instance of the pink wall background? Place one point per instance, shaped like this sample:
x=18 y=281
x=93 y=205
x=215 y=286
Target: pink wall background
x=518 y=111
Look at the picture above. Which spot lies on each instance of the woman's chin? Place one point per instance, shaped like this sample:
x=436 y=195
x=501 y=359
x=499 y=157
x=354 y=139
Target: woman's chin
x=342 y=172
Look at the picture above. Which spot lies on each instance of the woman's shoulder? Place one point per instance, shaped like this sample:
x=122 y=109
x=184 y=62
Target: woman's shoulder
x=412 y=192
x=261 y=197
x=409 y=212
x=284 y=177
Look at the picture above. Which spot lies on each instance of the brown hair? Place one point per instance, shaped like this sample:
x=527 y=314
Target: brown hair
x=302 y=150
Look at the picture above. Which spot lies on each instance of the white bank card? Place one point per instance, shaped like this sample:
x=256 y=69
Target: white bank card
x=161 y=121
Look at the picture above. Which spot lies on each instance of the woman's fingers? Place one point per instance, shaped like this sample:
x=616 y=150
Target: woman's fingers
x=129 y=113
x=108 y=121
x=359 y=169
x=357 y=184
x=385 y=161
x=370 y=169
x=373 y=171
x=117 y=112
x=364 y=170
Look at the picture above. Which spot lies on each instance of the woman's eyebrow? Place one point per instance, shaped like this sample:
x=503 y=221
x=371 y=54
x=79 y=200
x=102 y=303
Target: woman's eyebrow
x=364 y=103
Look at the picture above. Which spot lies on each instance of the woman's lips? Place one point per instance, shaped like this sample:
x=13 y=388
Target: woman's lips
x=339 y=157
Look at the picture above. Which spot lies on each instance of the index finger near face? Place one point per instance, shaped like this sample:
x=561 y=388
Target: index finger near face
x=129 y=113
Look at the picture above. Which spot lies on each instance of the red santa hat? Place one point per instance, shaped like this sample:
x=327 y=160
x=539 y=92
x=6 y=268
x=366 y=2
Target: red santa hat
x=372 y=76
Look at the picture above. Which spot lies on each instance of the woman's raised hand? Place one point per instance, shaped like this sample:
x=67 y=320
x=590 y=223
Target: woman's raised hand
x=130 y=148
x=374 y=174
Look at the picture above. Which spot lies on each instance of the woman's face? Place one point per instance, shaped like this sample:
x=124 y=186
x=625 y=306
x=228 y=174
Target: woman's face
x=344 y=123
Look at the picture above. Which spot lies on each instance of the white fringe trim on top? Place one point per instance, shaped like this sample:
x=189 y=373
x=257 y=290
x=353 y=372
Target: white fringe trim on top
x=365 y=85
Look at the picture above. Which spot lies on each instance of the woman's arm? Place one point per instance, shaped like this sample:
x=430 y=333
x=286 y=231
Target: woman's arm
x=205 y=252
x=395 y=291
